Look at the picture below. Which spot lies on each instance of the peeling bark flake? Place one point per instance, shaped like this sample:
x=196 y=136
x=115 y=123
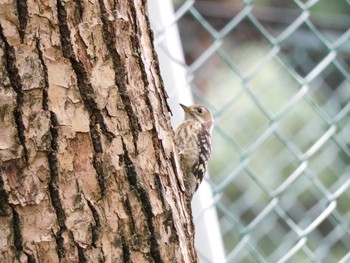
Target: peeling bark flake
x=16 y=84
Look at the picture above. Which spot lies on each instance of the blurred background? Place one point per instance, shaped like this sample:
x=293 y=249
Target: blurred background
x=276 y=76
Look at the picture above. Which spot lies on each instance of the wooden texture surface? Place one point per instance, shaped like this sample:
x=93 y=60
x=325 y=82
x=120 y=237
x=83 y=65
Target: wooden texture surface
x=87 y=168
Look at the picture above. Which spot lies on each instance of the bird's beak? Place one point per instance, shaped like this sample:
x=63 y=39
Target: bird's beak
x=185 y=108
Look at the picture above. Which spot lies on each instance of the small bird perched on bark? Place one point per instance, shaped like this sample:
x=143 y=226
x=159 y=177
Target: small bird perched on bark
x=193 y=141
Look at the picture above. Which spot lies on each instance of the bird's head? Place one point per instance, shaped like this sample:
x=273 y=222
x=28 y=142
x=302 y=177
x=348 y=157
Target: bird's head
x=198 y=113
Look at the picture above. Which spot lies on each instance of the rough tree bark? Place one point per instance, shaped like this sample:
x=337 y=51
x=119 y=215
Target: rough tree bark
x=87 y=170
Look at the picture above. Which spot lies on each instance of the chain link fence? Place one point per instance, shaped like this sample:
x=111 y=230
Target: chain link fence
x=276 y=75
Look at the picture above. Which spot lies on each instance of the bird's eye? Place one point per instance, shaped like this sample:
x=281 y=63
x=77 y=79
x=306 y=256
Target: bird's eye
x=200 y=110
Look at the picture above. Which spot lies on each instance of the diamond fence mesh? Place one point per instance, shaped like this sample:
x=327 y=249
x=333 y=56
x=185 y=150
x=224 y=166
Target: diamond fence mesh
x=276 y=75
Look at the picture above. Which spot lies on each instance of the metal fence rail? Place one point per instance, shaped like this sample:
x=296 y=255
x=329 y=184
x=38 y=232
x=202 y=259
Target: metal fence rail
x=276 y=75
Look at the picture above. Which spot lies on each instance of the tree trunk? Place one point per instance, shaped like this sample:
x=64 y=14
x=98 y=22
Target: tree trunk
x=87 y=168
